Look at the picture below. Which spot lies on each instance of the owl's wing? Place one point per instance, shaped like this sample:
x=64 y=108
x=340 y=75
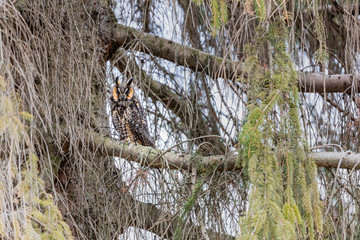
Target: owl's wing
x=118 y=121
x=138 y=124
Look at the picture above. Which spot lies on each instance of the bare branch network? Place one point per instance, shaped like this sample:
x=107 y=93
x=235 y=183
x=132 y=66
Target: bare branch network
x=154 y=158
x=124 y=37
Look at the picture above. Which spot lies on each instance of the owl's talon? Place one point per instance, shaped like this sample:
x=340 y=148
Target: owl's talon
x=126 y=141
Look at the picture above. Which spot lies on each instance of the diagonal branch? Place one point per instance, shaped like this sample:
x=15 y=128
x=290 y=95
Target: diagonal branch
x=155 y=158
x=200 y=61
x=180 y=54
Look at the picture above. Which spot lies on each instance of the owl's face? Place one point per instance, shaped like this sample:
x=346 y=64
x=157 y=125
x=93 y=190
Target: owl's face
x=123 y=91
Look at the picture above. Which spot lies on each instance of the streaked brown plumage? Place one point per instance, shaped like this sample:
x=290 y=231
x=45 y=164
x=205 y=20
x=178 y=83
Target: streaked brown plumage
x=128 y=116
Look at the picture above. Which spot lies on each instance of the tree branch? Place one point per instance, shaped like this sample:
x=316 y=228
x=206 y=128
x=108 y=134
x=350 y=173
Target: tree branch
x=346 y=160
x=186 y=56
x=317 y=82
x=200 y=61
x=155 y=158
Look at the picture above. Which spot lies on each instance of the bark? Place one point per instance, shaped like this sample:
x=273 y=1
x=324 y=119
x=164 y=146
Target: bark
x=317 y=82
x=155 y=158
x=346 y=160
x=200 y=61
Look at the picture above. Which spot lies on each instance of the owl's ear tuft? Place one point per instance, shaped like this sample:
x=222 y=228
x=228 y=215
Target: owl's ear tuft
x=117 y=80
x=129 y=82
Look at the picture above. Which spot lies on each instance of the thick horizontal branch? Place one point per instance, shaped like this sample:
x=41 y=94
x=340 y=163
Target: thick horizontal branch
x=155 y=158
x=346 y=160
x=317 y=82
x=197 y=60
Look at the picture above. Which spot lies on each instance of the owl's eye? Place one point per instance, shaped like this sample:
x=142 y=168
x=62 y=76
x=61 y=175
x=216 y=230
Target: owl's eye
x=129 y=92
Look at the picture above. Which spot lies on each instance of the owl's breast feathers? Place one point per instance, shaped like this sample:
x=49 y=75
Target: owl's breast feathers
x=130 y=121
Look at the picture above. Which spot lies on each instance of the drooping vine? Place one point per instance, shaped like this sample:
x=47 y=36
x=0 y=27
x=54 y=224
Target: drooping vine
x=284 y=201
x=188 y=206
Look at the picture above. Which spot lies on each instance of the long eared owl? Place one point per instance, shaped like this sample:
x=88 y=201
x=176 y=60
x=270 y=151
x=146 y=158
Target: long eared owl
x=128 y=116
